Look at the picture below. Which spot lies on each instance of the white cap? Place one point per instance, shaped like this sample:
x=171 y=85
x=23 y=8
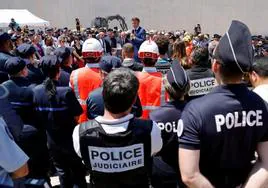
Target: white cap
x=149 y=49
x=92 y=48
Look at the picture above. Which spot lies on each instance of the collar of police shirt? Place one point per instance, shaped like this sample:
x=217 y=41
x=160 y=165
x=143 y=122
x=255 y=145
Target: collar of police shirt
x=129 y=59
x=92 y=65
x=149 y=69
x=117 y=126
x=262 y=91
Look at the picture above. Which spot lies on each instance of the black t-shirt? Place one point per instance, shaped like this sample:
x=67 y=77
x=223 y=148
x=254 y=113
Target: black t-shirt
x=225 y=125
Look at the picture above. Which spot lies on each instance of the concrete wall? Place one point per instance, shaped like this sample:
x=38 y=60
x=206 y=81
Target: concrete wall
x=213 y=15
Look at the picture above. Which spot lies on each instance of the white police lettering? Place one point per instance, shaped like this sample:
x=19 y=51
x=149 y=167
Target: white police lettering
x=239 y=119
x=201 y=86
x=116 y=159
x=170 y=126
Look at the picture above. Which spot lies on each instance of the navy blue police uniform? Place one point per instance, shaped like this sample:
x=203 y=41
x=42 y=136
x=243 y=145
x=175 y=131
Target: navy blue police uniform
x=14 y=122
x=3 y=57
x=201 y=76
x=32 y=138
x=35 y=75
x=63 y=53
x=227 y=124
x=167 y=117
x=95 y=103
x=57 y=116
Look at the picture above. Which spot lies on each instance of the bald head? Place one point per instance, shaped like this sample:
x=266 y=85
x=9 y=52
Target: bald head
x=128 y=51
x=123 y=34
x=101 y=35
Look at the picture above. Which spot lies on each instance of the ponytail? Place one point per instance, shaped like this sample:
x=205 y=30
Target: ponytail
x=50 y=88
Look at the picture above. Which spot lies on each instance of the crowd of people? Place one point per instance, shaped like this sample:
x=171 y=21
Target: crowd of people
x=133 y=108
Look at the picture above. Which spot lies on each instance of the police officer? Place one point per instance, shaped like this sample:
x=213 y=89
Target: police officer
x=58 y=111
x=95 y=104
x=163 y=64
x=165 y=163
x=32 y=138
x=13 y=161
x=13 y=121
x=64 y=55
x=5 y=48
x=116 y=147
x=222 y=130
x=201 y=76
x=27 y=52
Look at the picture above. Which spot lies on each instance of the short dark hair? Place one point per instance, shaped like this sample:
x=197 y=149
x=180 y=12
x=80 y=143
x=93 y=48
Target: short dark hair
x=162 y=43
x=260 y=66
x=149 y=62
x=227 y=72
x=120 y=89
x=135 y=19
x=92 y=59
x=200 y=55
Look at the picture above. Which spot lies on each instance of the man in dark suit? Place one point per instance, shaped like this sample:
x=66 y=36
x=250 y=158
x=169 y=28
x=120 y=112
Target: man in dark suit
x=137 y=36
x=123 y=39
x=111 y=38
x=104 y=43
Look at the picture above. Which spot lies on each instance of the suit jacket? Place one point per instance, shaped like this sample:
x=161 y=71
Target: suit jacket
x=140 y=34
x=122 y=42
x=106 y=46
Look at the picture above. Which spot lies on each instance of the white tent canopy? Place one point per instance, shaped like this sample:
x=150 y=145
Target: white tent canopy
x=22 y=17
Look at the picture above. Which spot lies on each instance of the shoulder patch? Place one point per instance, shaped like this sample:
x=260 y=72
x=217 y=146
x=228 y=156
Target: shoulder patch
x=180 y=128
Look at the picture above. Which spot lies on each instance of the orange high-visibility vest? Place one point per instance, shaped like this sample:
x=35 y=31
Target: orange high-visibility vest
x=83 y=81
x=151 y=91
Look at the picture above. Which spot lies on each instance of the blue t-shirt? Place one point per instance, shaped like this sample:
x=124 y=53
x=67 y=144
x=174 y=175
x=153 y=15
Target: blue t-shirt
x=11 y=158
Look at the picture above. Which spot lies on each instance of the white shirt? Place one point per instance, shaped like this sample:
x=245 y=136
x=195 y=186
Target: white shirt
x=118 y=126
x=262 y=91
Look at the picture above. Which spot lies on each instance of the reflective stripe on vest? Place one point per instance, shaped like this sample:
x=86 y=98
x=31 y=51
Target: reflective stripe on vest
x=162 y=99
x=75 y=83
x=76 y=89
x=162 y=95
x=149 y=103
x=84 y=81
x=48 y=109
